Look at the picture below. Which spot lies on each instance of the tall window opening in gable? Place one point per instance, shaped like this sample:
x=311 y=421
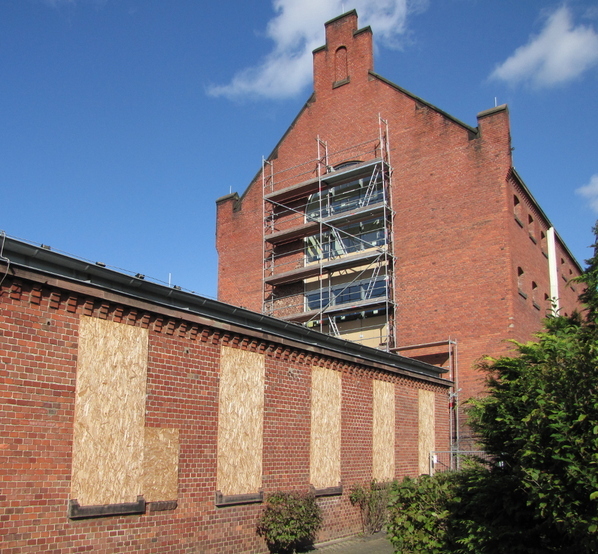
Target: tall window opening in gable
x=341 y=65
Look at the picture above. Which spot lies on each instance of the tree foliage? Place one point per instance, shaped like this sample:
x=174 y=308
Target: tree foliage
x=539 y=421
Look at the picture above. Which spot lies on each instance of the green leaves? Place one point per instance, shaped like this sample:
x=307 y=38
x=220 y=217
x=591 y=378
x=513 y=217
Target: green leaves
x=419 y=514
x=373 y=504
x=539 y=421
x=289 y=520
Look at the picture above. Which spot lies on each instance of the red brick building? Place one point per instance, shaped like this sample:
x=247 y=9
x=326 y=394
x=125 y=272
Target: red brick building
x=384 y=220
x=136 y=417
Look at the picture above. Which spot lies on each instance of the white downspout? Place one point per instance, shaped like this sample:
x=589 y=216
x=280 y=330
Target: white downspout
x=553 y=273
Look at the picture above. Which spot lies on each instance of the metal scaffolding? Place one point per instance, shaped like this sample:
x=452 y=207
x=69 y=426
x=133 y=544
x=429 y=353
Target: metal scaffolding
x=328 y=241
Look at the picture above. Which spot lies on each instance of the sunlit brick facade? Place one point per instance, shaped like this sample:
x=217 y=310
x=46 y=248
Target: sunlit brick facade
x=384 y=220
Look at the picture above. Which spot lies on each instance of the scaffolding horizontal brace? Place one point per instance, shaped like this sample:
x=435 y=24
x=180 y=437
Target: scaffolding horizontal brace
x=424 y=345
x=339 y=309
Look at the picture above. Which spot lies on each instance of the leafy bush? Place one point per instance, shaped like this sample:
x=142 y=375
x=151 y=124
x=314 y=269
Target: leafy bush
x=419 y=514
x=473 y=511
x=290 y=520
x=373 y=504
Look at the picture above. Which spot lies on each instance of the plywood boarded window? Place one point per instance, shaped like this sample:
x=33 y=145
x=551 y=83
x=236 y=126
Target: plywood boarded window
x=240 y=421
x=161 y=464
x=108 y=440
x=427 y=429
x=325 y=445
x=383 y=440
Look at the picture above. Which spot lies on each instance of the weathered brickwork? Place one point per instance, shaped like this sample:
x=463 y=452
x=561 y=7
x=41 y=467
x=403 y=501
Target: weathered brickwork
x=40 y=319
x=457 y=242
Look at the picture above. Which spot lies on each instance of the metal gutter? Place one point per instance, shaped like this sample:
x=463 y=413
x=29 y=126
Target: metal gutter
x=42 y=260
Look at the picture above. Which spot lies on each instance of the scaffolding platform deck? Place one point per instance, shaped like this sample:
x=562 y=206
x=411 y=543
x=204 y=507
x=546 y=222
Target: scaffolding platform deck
x=311 y=228
x=312 y=186
x=327 y=266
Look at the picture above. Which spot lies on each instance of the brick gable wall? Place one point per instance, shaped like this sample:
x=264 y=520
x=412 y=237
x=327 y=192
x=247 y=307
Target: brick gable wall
x=456 y=243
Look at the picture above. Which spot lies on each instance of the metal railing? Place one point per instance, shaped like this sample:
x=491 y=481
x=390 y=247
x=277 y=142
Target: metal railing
x=454 y=460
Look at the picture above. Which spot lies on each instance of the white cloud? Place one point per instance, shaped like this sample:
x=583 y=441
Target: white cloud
x=590 y=191
x=297 y=29
x=560 y=53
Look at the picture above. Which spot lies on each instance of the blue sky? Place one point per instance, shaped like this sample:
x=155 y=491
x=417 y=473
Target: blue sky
x=122 y=121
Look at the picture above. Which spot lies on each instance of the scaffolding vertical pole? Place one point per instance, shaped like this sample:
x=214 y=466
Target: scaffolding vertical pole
x=322 y=169
x=387 y=190
x=265 y=182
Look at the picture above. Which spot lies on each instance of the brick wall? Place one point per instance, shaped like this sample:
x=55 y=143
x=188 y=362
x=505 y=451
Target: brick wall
x=38 y=351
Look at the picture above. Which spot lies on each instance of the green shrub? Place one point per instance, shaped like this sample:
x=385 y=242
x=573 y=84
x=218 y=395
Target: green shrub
x=473 y=511
x=419 y=514
x=373 y=504
x=290 y=521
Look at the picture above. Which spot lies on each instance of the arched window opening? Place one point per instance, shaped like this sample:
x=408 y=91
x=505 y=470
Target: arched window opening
x=341 y=64
x=535 y=295
x=531 y=228
x=517 y=209
x=520 y=276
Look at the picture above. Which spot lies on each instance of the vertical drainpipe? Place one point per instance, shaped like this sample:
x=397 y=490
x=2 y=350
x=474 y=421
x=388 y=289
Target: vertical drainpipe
x=553 y=268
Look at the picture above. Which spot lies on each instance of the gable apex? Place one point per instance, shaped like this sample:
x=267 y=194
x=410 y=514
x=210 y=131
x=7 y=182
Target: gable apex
x=347 y=55
x=350 y=13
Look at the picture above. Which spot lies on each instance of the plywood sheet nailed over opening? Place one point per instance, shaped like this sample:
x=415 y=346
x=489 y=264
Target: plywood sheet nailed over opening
x=427 y=430
x=161 y=464
x=325 y=447
x=109 y=413
x=383 y=468
x=240 y=421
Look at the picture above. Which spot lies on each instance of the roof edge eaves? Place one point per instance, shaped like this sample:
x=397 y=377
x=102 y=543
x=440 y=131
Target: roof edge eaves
x=51 y=263
x=522 y=184
x=270 y=156
x=469 y=128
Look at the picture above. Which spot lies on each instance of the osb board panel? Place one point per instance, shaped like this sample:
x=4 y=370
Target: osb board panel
x=427 y=429
x=240 y=421
x=383 y=465
x=325 y=445
x=161 y=464
x=108 y=431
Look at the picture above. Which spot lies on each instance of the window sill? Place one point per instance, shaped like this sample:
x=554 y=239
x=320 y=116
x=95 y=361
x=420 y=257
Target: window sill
x=518 y=221
x=235 y=499
x=162 y=505
x=522 y=294
x=76 y=511
x=341 y=83
x=328 y=491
